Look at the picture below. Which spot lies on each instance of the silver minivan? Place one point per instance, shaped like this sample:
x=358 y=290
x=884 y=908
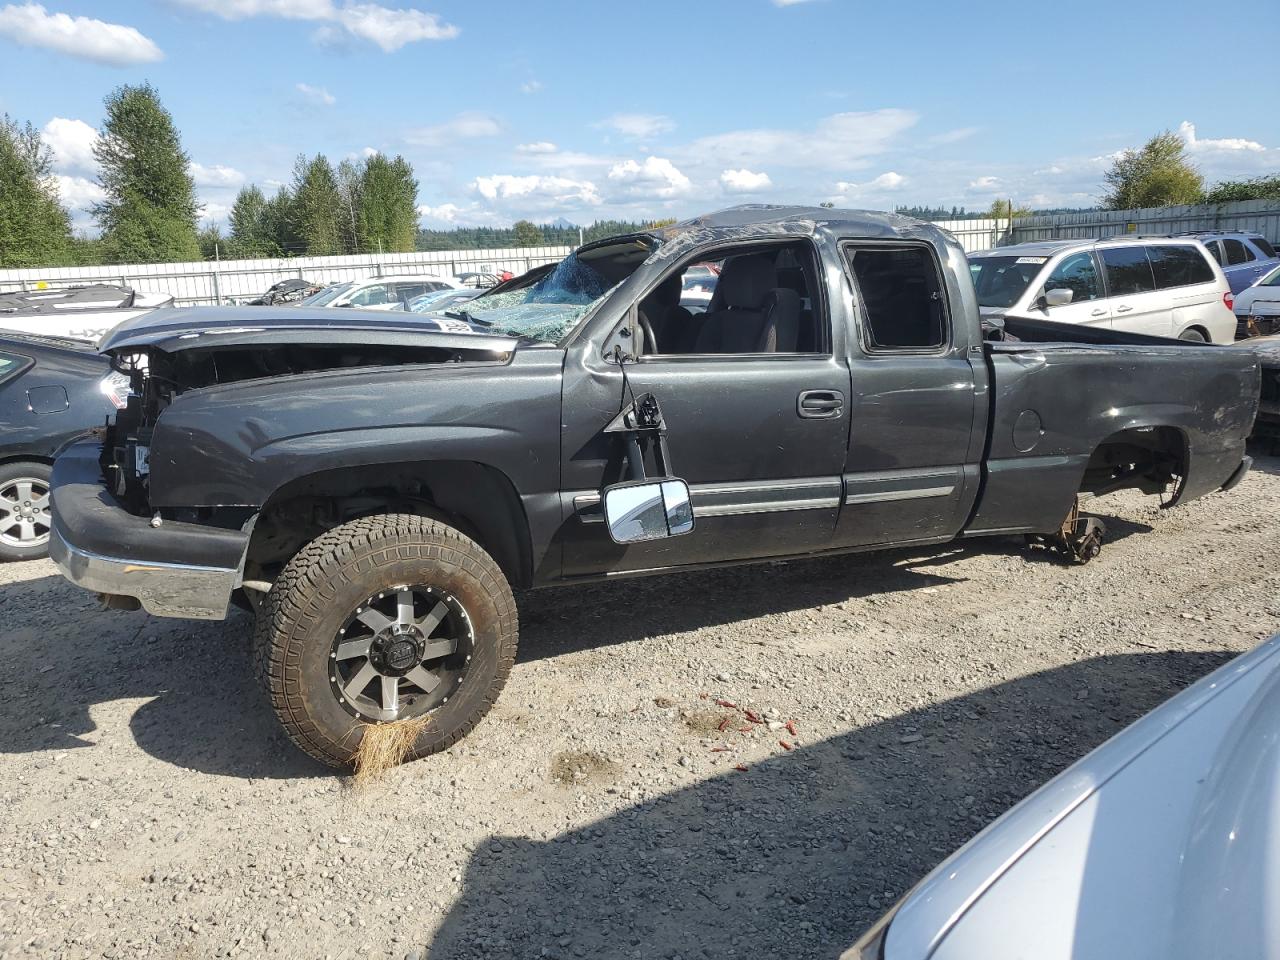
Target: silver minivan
x=1165 y=287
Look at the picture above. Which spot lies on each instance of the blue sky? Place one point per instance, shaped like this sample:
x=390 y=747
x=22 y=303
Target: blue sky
x=589 y=110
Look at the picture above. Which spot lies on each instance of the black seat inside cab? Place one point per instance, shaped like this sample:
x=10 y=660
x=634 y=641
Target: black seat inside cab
x=750 y=312
x=668 y=327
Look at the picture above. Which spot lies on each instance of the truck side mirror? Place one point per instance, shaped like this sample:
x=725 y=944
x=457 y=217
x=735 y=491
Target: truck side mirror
x=1059 y=296
x=647 y=510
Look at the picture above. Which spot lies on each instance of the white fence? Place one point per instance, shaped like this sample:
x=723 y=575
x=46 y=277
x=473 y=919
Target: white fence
x=234 y=281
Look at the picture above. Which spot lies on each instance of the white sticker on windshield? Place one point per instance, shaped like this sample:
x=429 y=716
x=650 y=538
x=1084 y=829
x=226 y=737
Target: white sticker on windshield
x=1031 y=260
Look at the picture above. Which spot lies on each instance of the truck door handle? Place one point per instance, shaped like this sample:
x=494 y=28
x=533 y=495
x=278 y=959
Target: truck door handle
x=820 y=404
x=1123 y=308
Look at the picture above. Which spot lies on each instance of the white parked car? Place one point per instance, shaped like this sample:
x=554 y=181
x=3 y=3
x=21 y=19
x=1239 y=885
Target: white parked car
x=81 y=313
x=1261 y=303
x=380 y=293
x=1162 y=844
x=1164 y=287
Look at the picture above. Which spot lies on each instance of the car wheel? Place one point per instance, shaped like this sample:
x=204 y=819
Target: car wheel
x=24 y=510
x=1192 y=336
x=382 y=619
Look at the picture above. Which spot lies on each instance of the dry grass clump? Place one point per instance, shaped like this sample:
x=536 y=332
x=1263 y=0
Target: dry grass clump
x=384 y=746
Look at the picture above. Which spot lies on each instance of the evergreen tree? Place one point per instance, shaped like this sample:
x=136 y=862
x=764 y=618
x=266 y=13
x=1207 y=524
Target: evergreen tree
x=280 y=225
x=35 y=230
x=213 y=245
x=1158 y=175
x=250 y=236
x=150 y=209
x=388 y=213
x=317 y=206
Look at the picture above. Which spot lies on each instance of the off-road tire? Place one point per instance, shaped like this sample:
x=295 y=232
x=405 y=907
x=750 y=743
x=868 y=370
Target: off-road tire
x=324 y=582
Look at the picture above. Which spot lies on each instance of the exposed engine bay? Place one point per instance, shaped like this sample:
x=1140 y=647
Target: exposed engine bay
x=157 y=377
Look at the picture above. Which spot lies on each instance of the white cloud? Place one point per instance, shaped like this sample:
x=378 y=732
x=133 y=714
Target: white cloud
x=1187 y=131
x=317 y=94
x=79 y=192
x=639 y=126
x=216 y=175
x=836 y=142
x=531 y=86
x=537 y=190
x=538 y=146
x=885 y=182
x=655 y=177
x=744 y=181
x=465 y=126
x=448 y=212
x=984 y=183
x=954 y=136
x=114 y=44
x=385 y=27
x=72 y=144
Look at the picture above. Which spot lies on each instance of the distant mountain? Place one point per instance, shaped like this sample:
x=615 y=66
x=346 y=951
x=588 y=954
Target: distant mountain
x=560 y=223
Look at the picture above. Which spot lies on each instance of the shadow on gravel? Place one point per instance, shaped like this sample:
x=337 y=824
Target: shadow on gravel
x=795 y=857
x=204 y=712
x=588 y=616
x=1266 y=456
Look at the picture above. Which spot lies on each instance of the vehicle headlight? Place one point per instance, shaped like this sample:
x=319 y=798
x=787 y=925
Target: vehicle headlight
x=115 y=387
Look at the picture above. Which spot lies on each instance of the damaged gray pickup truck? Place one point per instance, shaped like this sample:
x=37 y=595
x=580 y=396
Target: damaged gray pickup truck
x=373 y=486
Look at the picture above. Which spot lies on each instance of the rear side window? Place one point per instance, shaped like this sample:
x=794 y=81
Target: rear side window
x=1179 y=266
x=1128 y=270
x=1078 y=274
x=1262 y=244
x=10 y=366
x=1212 y=247
x=900 y=296
x=1237 y=252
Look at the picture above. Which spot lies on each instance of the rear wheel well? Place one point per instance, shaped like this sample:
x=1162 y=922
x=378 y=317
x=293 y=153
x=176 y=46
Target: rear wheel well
x=1143 y=458
x=474 y=498
x=1202 y=330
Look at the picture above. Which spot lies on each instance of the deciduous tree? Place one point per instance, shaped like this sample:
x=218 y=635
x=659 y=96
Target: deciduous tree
x=1158 y=175
x=150 y=209
x=34 y=227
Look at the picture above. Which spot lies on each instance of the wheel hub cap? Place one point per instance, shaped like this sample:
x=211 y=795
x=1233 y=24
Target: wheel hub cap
x=402 y=653
x=24 y=512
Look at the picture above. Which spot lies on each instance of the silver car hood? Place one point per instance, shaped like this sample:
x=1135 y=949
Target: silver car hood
x=1162 y=843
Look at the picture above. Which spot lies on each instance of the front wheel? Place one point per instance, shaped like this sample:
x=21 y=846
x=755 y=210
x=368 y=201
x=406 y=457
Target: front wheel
x=381 y=619
x=24 y=510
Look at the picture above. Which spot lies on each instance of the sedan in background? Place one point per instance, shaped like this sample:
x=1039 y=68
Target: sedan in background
x=52 y=390
x=379 y=293
x=1258 y=307
x=1162 y=844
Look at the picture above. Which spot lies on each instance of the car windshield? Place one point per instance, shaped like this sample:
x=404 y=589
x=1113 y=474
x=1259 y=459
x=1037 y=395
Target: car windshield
x=1272 y=279
x=1000 y=281
x=550 y=309
x=327 y=295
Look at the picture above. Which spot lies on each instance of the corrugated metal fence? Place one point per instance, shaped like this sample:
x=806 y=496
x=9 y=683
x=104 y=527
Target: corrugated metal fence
x=232 y=281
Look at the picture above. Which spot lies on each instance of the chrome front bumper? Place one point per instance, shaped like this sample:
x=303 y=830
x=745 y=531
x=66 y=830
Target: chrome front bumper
x=163 y=589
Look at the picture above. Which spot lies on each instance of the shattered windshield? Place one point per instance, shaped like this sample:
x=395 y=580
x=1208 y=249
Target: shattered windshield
x=551 y=308
x=327 y=295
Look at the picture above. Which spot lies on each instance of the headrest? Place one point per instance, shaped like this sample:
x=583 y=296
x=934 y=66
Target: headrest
x=668 y=292
x=745 y=281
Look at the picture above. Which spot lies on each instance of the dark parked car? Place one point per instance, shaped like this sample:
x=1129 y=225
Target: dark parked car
x=1267 y=350
x=286 y=291
x=376 y=488
x=52 y=390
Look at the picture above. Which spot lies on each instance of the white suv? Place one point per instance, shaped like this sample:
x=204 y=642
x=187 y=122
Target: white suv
x=1166 y=287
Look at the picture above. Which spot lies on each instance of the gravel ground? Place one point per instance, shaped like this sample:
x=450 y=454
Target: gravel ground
x=150 y=808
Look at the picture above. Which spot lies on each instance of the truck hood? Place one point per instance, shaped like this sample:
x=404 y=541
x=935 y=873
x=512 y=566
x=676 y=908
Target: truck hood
x=214 y=328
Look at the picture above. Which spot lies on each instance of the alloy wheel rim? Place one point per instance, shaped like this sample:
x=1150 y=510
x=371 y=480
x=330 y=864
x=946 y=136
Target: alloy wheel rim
x=24 y=512
x=402 y=652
